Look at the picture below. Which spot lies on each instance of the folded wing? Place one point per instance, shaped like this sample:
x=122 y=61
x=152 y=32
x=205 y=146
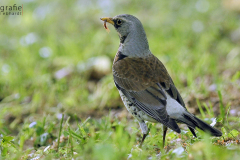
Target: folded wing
x=138 y=79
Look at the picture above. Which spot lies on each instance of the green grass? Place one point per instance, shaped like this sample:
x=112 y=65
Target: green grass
x=57 y=35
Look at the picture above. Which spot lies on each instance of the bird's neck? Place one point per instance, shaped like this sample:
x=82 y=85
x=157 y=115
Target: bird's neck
x=134 y=45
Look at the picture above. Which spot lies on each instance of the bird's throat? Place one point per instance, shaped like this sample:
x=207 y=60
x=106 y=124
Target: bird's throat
x=122 y=39
x=133 y=46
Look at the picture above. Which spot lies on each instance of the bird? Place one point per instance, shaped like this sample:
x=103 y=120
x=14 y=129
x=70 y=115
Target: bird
x=144 y=84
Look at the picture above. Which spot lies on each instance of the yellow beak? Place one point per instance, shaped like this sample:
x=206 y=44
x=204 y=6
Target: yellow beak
x=107 y=19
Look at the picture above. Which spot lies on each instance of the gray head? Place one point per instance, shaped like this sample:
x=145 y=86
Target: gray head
x=133 y=40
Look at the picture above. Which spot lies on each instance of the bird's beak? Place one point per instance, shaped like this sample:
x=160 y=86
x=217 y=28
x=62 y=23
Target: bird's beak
x=107 y=19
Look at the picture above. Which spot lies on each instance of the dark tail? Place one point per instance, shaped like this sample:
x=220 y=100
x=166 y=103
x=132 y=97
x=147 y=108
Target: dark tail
x=207 y=128
x=193 y=122
x=173 y=125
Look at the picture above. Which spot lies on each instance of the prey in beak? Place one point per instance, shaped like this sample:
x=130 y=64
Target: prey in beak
x=109 y=20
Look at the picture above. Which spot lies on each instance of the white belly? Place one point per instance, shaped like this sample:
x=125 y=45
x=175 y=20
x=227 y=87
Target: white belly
x=174 y=109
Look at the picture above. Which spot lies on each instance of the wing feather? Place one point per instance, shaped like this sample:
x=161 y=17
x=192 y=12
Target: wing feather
x=142 y=80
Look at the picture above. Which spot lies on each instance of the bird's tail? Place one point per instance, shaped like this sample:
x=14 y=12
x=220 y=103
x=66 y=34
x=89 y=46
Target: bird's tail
x=193 y=122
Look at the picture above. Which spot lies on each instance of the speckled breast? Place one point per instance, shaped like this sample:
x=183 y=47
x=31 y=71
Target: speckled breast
x=135 y=111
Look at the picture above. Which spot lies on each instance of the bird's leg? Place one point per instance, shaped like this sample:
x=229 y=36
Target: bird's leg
x=144 y=136
x=164 y=134
x=144 y=129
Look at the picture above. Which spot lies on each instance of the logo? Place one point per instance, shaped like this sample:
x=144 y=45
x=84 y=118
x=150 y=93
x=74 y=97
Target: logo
x=11 y=10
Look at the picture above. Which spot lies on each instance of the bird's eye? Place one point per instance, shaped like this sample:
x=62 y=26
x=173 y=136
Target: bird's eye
x=119 y=22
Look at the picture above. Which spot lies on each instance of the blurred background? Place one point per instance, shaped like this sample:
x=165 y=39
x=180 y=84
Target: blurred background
x=56 y=58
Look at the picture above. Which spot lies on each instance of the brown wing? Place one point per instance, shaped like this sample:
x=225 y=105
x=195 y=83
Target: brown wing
x=139 y=80
x=139 y=73
x=142 y=81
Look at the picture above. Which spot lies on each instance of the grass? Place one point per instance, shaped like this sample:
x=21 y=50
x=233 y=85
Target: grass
x=55 y=102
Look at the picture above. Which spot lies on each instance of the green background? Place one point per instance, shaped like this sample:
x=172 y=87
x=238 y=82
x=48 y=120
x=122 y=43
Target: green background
x=51 y=62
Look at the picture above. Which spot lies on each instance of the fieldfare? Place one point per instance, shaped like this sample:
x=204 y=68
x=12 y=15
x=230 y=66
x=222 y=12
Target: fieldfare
x=144 y=84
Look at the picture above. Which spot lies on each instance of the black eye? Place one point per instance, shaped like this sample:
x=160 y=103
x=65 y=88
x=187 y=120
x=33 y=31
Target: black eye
x=119 y=22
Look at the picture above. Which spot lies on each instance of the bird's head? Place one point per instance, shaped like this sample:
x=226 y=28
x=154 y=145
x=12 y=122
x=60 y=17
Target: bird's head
x=125 y=24
x=131 y=34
